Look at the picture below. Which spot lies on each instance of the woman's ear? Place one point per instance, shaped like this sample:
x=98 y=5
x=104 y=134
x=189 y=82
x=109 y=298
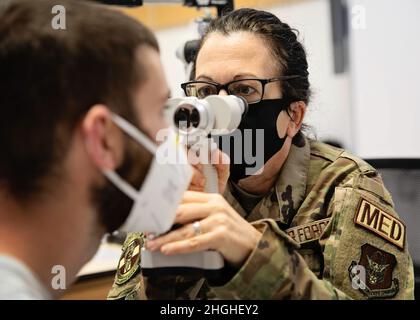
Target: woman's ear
x=102 y=138
x=296 y=111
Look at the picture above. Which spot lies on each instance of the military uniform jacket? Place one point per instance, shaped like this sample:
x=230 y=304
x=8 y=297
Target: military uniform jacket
x=329 y=231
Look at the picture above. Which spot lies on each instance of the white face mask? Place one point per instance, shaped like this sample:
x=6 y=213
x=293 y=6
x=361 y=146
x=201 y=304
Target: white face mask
x=156 y=202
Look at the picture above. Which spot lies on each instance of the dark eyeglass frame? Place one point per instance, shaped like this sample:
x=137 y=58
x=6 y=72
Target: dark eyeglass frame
x=226 y=85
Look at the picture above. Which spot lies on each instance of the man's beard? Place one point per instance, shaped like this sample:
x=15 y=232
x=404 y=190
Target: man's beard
x=113 y=205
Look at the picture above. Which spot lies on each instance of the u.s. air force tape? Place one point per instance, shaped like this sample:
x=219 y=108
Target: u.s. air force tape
x=308 y=232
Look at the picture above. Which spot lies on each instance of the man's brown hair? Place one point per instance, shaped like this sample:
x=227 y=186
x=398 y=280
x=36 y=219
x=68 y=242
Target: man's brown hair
x=50 y=78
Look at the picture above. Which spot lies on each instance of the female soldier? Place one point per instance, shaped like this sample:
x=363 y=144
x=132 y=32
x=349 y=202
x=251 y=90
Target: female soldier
x=314 y=223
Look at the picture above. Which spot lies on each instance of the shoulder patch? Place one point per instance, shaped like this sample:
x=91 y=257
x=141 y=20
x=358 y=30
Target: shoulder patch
x=129 y=263
x=308 y=232
x=372 y=275
x=381 y=223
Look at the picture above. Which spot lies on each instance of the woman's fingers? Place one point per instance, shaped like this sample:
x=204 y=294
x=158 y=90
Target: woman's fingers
x=195 y=188
x=221 y=162
x=189 y=212
x=202 y=242
x=185 y=232
x=221 y=228
x=198 y=180
x=193 y=196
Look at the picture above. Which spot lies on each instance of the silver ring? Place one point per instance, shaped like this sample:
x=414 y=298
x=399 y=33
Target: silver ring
x=197 y=228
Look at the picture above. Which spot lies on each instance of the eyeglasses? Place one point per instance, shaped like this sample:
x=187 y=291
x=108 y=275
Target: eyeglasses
x=252 y=90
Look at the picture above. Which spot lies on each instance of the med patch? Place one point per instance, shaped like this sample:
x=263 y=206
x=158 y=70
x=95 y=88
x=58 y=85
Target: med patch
x=381 y=223
x=372 y=275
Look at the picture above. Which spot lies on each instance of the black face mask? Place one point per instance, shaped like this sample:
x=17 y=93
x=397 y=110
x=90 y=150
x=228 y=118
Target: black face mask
x=261 y=115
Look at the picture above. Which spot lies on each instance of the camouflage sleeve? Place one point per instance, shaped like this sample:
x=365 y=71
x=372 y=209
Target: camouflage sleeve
x=362 y=249
x=275 y=270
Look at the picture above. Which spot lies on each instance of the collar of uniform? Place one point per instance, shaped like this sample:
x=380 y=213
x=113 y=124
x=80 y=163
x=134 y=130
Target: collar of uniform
x=291 y=183
x=283 y=200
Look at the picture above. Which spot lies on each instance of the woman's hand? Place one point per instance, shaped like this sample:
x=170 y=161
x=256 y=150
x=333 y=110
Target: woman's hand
x=220 y=161
x=222 y=229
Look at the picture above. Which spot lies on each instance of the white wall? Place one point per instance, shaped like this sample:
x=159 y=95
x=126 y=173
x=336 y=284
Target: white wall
x=374 y=110
x=169 y=41
x=385 y=69
x=329 y=111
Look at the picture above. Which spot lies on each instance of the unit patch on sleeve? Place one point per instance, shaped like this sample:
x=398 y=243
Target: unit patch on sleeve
x=380 y=223
x=372 y=275
x=129 y=262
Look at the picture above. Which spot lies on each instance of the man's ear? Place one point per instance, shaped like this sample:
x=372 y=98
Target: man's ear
x=103 y=139
x=297 y=111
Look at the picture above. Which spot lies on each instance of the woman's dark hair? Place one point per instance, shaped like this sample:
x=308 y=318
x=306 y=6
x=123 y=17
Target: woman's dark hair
x=283 y=42
x=284 y=45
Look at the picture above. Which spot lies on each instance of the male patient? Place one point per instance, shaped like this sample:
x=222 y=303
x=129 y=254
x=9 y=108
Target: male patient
x=59 y=89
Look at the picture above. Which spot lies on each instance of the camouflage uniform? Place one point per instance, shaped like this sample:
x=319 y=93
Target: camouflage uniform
x=329 y=231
